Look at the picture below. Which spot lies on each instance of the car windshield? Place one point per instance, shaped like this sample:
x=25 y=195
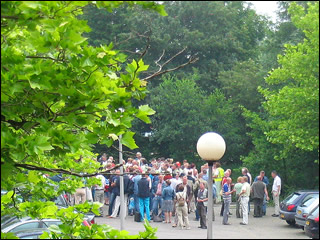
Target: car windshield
x=292 y=197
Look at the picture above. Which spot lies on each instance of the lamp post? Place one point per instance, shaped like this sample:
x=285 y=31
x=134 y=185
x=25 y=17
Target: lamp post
x=210 y=147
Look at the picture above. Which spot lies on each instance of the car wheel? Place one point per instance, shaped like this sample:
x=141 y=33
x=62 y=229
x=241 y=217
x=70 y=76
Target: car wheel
x=302 y=228
x=292 y=223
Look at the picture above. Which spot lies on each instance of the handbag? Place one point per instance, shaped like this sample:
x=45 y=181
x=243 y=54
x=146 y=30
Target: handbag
x=221 y=192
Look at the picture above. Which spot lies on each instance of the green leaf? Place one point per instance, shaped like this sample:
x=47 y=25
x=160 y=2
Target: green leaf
x=144 y=112
x=33 y=177
x=127 y=140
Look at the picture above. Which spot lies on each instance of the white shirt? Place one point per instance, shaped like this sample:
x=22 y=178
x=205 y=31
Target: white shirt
x=175 y=182
x=103 y=182
x=249 y=175
x=276 y=183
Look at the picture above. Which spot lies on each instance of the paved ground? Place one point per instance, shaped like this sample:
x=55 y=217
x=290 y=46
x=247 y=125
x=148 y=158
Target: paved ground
x=260 y=228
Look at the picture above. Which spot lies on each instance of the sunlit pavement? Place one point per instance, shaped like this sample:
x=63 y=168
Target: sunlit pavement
x=261 y=228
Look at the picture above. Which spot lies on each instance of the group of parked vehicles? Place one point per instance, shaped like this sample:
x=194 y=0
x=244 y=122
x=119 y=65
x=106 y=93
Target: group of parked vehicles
x=301 y=208
x=28 y=228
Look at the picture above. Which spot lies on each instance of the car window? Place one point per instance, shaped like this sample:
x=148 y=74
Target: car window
x=46 y=224
x=308 y=197
x=291 y=198
x=27 y=225
x=308 y=202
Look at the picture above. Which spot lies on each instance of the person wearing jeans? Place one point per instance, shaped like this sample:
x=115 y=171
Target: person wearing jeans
x=227 y=200
x=157 y=189
x=135 y=180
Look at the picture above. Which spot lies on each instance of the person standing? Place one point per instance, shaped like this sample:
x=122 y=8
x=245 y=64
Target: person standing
x=99 y=193
x=266 y=181
x=238 y=188
x=245 y=173
x=126 y=180
x=157 y=188
x=218 y=175
x=144 y=197
x=168 y=195
x=226 y=200
x=181 y=208
x=245 y=194
x=258 y=190
x=202 y=201
x=112 y=188
x=136 y=179
x=276 y=189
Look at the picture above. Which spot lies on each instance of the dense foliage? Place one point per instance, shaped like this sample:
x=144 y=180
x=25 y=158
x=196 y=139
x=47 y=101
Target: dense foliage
x=59 y=96
x=237 y=50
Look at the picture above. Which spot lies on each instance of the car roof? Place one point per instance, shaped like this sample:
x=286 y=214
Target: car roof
x=307 y=191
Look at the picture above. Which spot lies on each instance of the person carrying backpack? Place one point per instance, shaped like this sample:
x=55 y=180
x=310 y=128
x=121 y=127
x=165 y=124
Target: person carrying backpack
x=181 y=208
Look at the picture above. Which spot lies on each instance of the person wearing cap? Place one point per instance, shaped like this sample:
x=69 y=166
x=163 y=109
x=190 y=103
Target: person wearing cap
x=167 y=175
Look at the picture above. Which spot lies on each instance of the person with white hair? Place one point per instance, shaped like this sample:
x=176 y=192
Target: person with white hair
x=227 y=200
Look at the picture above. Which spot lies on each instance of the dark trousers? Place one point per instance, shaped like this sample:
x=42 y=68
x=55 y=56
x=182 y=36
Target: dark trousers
x=222 y=207
x=238 y=207
x=203 y=214
x=258 y=204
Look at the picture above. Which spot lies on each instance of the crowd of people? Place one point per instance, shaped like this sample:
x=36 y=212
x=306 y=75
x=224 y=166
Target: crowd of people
x=167 y=191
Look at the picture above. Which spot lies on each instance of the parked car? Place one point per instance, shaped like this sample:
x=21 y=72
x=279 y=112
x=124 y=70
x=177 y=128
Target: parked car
x=19 y=225
x=30 y=233
x=303 y=210
x=289 y=205
x=61 y=202
x=312 y=224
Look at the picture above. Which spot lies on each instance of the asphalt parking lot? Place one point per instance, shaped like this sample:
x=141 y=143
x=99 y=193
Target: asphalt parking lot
x=259 y=228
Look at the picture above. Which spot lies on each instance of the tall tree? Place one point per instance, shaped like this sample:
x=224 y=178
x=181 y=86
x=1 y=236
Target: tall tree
x=58 y=97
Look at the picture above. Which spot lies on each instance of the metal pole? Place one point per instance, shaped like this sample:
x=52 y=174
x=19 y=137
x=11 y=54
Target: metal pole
x=210 y=201
x=122 y=203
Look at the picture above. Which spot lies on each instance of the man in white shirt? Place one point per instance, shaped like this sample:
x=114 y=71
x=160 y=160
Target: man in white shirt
x=244 y=195
x=276 y=189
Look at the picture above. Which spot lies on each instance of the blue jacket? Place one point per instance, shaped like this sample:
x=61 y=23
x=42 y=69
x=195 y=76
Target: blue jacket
x=168 y=193
x=136 y=179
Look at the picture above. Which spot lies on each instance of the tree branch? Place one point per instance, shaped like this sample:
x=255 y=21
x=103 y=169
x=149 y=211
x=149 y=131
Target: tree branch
x=54 y=59
x=10 y=17
x=159 y=72
x=59 y=170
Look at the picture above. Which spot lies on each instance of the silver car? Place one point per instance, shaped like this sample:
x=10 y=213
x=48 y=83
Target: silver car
x=305 y=208
x=17 y=224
